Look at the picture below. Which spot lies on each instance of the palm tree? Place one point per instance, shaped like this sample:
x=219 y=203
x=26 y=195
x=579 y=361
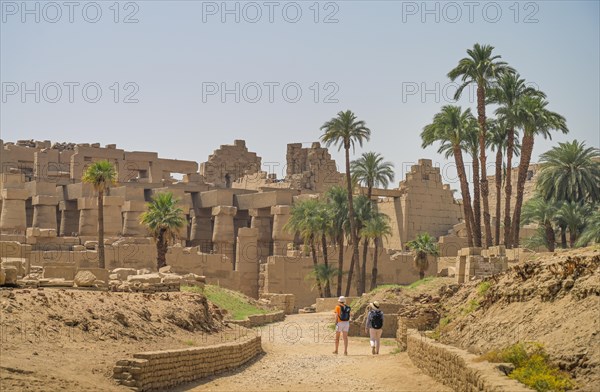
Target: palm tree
x=322 y=274
x=591 y=233
x=423 y=246
x=364 y=210
x=101 y=175
x=535 y=119
x=506 y=92
x=448 y=128
x=346 y=131
x=568 y=172
x=337 y=200
x=537 y=210
x=370 y=170
x=470 y=144
x=324 y=223
x=481 y=68
x=376 y=228
x=164 y=219
x=573 y=215
x=498 y=141
x=304 y=219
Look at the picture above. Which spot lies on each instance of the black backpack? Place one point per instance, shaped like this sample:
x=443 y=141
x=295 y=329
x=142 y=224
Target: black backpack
x=376 y=319
x=344 y=312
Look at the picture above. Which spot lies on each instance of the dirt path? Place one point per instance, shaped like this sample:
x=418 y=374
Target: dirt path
x=299 y=358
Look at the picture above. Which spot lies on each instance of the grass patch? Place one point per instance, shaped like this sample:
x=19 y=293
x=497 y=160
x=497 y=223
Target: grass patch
x=389 y=342
x=192 y=289
x=436 y=334
x=395 y=351
x=189 y=342
x=420 y=282
x=235 y=303
x=532 y=367
x=483 y=288
x=472 y=306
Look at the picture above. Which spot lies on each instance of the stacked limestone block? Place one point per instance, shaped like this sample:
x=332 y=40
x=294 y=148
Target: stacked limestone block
x=229 y=163
x=457 y=368
x=311 y=168
x=161 y=370
x=428 y=205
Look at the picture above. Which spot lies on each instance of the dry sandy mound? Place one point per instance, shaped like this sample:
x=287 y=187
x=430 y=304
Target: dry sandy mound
x=70 y=339
x=553 y=299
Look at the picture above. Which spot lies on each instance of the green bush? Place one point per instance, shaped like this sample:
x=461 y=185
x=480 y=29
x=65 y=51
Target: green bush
x=532 y=367
x=472 y=306
x=483 y=288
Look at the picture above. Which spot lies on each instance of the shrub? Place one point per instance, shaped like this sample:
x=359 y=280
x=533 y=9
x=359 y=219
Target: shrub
x=472 y=306
x=483 y=288
x=532 y=367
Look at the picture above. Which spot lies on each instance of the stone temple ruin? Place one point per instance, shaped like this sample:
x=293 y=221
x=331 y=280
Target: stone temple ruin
x=235 y=215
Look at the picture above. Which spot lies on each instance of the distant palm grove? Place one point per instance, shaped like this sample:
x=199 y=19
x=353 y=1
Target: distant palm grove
x=567 y=192
x=567 y=196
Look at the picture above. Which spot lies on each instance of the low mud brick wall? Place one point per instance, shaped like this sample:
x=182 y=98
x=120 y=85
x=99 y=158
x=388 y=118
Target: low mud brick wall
x=457 y=368
x=160 y=370
x=256 y=320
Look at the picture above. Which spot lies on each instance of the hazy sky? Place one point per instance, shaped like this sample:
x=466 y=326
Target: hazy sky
x=149 y=75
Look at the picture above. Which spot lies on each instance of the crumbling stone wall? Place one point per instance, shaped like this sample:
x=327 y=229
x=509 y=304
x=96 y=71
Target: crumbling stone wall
x=457 y=368
x=229 y=163
x=311 y=168
x=429 y=205
x=161 y=370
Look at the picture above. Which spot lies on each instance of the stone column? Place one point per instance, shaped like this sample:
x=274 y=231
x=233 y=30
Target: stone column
x=223 y=233
x=113 y=220
x=247 y=261
x=281 y=237
x=88 y=216
x=44 y=211
x=261 y=220
x=132 y=209
x=201 y=230
x=13 y=219
x=69 y=217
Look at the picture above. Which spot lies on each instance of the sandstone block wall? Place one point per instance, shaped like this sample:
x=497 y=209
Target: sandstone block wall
x=283 y=302
x=256 y=320
x=161 y=370
x=457 y=368
x=229 y=163
x=428 y=205
x=288 y=274
x=311 y=168
x=329 y=304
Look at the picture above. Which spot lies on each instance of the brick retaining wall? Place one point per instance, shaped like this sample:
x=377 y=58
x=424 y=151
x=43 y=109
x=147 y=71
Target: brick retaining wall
x=256 y=320
x=160 y=370
x=457 y=368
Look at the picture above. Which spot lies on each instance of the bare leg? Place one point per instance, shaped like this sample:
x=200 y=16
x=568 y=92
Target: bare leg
x=345 y=335
x=337 y=342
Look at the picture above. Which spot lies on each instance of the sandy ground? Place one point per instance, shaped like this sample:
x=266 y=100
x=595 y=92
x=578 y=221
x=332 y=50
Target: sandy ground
x=298 y=357
x=69 y=341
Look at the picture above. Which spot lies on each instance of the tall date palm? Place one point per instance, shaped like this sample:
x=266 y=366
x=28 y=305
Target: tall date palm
x=101 y=175
x=448 y=128
x=482 y=68
x=345 y=131
x=535 y=119
x=506 y=92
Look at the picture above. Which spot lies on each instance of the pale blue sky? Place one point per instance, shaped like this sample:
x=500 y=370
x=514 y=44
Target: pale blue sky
x=372 y=58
